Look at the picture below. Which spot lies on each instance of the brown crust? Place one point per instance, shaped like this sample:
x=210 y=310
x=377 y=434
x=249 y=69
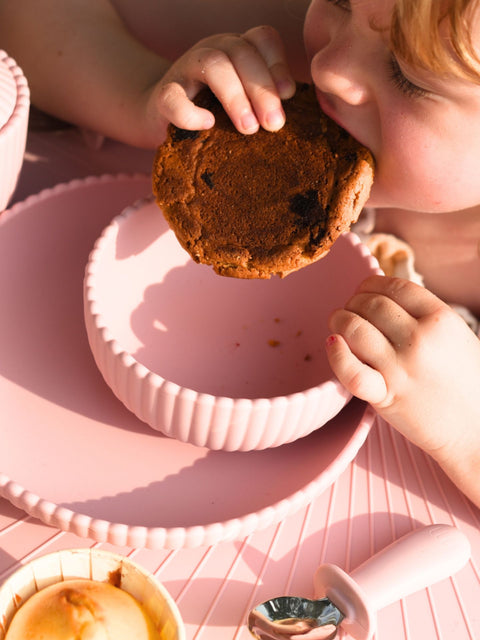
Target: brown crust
x=264 y=204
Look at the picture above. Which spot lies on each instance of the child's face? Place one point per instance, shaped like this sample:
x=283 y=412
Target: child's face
x=423 y=129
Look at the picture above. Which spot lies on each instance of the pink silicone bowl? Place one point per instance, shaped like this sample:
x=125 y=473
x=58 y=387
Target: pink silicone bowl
x=14 y=109
x=218 y=362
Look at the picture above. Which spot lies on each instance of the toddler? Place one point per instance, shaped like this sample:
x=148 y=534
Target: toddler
x=403 y=77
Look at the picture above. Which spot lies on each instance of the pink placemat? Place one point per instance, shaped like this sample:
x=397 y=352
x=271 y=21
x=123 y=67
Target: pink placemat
x=390 y=488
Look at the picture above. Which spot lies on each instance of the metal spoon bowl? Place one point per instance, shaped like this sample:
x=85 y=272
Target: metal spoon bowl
x=290 y=616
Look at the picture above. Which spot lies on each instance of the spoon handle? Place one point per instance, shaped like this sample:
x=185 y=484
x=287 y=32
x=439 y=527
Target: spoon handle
x=419 y=559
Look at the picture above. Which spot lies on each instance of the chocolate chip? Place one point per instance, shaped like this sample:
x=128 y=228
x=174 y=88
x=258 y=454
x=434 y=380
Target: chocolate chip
x=350 y=158
x=183 y=134
x=307 y=208
x=311 y=215
x=316 y=239
x=207 y=99
x=207 y=178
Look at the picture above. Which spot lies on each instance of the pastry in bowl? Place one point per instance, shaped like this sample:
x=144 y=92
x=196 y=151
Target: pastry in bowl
x=82 y=610
x=253 y=206
x=86 y=594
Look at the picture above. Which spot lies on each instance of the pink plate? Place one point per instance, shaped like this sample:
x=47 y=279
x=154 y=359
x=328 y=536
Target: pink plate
x=72 y=455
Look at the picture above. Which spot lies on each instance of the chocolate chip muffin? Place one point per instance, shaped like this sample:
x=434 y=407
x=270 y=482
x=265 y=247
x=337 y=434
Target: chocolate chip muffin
x=253 y=206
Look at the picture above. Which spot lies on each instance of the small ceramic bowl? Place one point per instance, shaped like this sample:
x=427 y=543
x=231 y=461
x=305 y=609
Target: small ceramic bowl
x=218 y=362
x=92 y=564
x=14 y=109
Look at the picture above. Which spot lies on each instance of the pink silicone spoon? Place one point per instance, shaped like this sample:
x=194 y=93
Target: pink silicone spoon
x=419 y=559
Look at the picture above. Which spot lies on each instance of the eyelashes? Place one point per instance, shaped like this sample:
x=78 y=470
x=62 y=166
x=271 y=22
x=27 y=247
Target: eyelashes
x=342 y=4
x=395 y=73
x=403 y=84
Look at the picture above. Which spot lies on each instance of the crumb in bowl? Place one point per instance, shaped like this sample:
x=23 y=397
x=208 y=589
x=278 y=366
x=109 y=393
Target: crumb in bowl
x=274 y=343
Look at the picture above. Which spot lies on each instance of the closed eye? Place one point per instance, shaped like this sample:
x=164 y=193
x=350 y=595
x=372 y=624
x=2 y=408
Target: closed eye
x=342 y=4
x=401 y=82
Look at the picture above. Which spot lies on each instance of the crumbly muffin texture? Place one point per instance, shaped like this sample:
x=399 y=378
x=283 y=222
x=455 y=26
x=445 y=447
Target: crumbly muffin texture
x=253 y=206
x=82 y=609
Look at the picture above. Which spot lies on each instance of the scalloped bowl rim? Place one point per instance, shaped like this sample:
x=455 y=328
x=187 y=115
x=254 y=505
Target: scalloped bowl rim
x=138 y=536
x=22 y=101
x=130 y=362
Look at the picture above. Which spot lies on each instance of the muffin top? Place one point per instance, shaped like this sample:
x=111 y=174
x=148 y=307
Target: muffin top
x=82 y=609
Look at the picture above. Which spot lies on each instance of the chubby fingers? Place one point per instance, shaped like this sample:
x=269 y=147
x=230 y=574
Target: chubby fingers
x=362 y=380
x=374 y=331
x=248 y=74
x=173 y=103
x=360 y=355
x=393 y=306
x=270 y=46
x=413 y=298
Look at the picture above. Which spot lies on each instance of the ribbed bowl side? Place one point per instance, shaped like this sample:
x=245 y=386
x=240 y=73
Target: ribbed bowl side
x=14 y=110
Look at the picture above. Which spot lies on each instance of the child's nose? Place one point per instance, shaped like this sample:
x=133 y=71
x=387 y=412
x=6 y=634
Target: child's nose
x=338 y=69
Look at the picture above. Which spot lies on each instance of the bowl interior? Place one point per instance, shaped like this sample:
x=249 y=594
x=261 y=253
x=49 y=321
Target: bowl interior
x=217 y=335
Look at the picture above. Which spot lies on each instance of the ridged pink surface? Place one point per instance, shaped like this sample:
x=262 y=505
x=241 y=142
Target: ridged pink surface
x=137 y=255
x=14 y=108
x=389 y=489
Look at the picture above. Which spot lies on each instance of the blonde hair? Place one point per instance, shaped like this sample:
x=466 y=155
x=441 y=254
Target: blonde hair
x=436 y=35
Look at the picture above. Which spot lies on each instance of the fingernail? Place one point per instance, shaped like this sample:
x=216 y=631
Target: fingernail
x=331 y=340
x=249 y=122
x=208 y=120
x=285 y=87
x=275 y=119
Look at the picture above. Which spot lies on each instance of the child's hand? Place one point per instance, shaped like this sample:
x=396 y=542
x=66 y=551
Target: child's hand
x=248 y=73
x=400 y=348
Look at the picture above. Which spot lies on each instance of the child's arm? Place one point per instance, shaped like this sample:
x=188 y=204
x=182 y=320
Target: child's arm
x=399 y=347
x=81 y=63
x=84 y=66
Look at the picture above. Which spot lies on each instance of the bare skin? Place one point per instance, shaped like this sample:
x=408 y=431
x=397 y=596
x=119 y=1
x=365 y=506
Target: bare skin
x=396 y=344
x=85 y=65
